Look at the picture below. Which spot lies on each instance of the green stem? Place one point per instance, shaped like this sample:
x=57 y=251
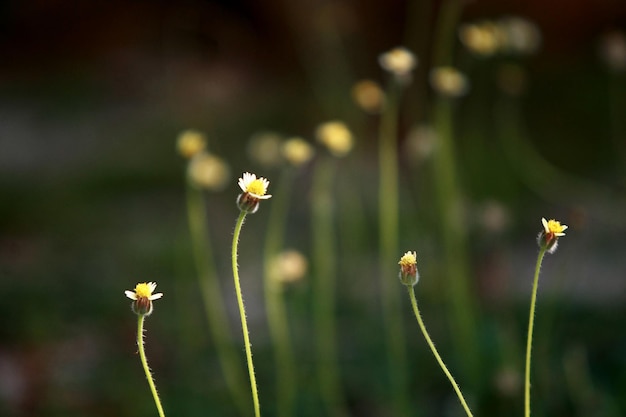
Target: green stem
x=531 y=322
x=418 y=316
x=211 y=292
x=388 y=229
x=454 y=239
x=324 y=291
x=144 y=362
x=242 y=313
x=275 y=302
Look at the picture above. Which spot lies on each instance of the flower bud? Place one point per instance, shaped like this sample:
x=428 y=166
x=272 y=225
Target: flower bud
x=142 y=297
x=549 y=236
x=409 y=275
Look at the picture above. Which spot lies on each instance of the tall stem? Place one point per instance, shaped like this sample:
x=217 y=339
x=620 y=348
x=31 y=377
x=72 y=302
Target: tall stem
x=211 y=292
x=418 y=316
x=275 y=301
x=388 y=229
x=324 y=291
x=144 y=362
x=242 y=313
x=531 y=322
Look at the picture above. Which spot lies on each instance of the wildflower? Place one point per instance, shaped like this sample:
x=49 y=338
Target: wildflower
x=420 y=143
x=408 y=269
x=336 y=137
x=142 y=297
x=482 y=39
x=264 y=148
x=190 y=142
x=208 y=171
x=254 y=189
x=289 y=266
x=368 y=95
x=449 y=82
x=520 y=36
x=549 y=236
x=297 y=151
x=399 y=62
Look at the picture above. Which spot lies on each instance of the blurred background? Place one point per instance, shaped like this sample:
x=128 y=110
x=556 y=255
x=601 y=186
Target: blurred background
x=93 y=96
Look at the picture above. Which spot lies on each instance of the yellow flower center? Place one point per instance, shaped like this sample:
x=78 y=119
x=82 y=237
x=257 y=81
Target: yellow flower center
x=256 y=187
x=408 y=259
x=143 y=290
x=555 y=226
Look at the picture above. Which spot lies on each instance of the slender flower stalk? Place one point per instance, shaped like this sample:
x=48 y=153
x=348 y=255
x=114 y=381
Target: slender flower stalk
x=211 y=292
x=548 y=242
x=142 y=297
x=409 y=276
x=399 y=62
x=254 y=189
x=275 y=302
x=324 y=287
x=339 y=141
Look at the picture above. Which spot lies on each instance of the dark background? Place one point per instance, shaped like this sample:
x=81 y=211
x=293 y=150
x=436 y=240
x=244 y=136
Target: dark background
x=92 y=97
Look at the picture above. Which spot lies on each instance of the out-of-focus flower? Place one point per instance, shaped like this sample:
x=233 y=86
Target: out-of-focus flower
x=208 y=171
x=448 y=81
x=400 y=62
x=483 y=38
x=368 y=95
x=254 y=190
x=289 y=266
x=297 y=151
x=264 y=148
x=613 y=50
x=420 y=143
x=190 y=142
x=408 y=269
x=552 y=231
x=336 y=136
x=142 y=297
x=520 y=36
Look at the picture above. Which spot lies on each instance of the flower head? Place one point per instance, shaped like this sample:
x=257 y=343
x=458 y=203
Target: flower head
x=368 y=95
x=408 y=269
x=142 y=297
x=297 y=151
x=399 y=62
x=190 y=142
x=208 y=171
x=336 y=137
x=254 y=189
x=448 y=81
x=552 y=231
x=264 y=148
x=289 y=266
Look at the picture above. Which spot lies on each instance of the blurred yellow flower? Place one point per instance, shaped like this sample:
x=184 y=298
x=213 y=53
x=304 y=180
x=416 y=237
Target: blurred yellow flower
x=368 y=95
x=448 y=81
x=399 y=62
x=264 y=148
x=208 y=171
x=297 y=151
x=336 y=137
x=190 y=142
x=482 y=38
x=289 y=266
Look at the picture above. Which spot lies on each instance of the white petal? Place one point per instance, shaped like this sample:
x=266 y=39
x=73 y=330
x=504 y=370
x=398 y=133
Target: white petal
x=156 y=296
x=131 y=295
x=545 y=224
x=564 y=227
